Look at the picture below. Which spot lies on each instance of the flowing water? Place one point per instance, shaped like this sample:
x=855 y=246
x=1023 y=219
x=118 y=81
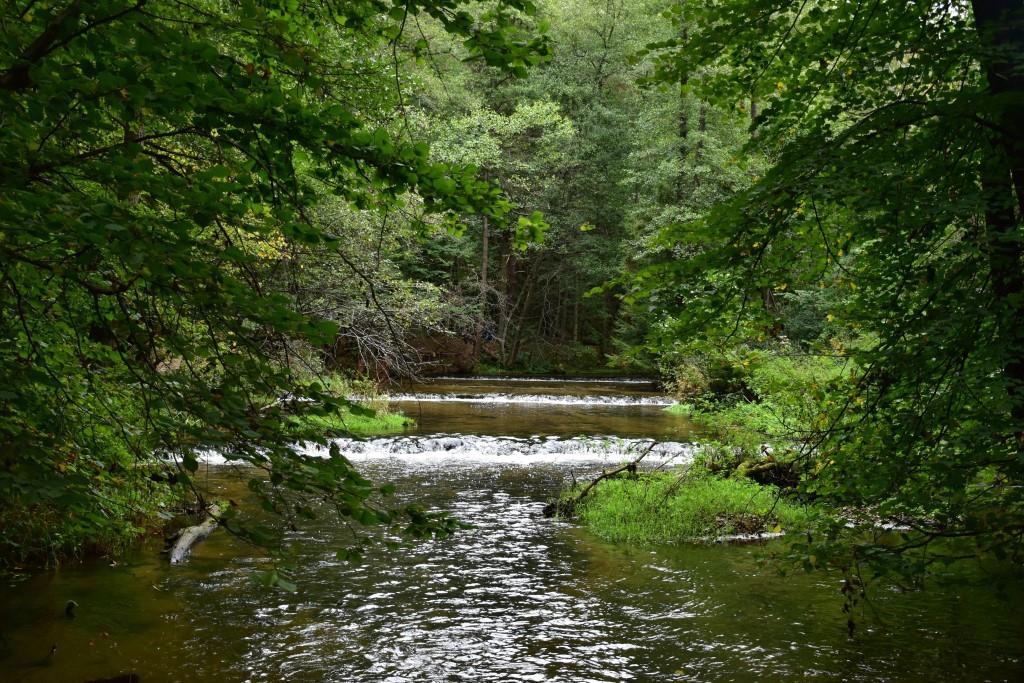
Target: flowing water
x=515 y=598
x=542 y=407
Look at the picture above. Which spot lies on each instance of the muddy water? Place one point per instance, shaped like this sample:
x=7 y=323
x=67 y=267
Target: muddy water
x=515 y=598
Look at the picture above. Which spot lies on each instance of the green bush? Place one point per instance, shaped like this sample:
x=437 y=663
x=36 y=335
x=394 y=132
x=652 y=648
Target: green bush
x=785 y=394
x=710 y=377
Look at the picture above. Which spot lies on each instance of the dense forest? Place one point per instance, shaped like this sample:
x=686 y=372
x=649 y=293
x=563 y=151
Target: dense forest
x=224 y=220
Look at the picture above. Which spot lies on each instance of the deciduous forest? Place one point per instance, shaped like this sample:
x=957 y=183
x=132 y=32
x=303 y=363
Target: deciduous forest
x=782 y=238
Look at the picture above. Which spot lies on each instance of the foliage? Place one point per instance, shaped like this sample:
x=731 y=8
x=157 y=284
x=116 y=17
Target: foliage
x=125 y=501
x=561 y=142
x=665 y=508
x=759 y=430
x=894 y=135
x=160 y=163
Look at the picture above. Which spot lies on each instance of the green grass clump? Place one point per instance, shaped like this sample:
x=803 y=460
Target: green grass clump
x=682 y=409
x=351 y=423
x=369 y=416
x=666 y=508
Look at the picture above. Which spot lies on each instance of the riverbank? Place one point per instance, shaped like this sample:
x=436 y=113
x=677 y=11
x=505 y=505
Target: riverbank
x=139 y=498
x=749 y=410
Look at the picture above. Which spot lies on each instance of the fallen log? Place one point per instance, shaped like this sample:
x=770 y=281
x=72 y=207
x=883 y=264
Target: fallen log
x=566 y=508
x=783 y=474
x=194 y=534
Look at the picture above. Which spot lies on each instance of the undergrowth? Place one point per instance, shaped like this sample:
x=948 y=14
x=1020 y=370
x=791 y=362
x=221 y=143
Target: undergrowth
x=368 y=416
x=666 y=508
x=757 y=397
x=132 y=493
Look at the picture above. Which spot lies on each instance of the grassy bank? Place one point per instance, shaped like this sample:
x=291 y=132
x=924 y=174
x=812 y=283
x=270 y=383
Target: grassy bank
x=683 y=409
x=370 y=416
x=360 y=422
x=737 y=485
x=666 y=508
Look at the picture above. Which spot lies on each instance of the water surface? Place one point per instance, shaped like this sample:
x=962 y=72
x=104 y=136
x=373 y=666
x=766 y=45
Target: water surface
x=541 y=406
x=516 y=598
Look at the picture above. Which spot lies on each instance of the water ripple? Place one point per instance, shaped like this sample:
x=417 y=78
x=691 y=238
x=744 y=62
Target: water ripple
x=521 y=598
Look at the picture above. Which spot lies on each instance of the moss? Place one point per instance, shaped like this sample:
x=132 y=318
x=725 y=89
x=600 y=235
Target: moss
x=666 y=508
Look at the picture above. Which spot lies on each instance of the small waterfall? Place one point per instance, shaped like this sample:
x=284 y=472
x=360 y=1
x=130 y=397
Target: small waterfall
x=511 y=450
x=533 y=399
x=466 y=449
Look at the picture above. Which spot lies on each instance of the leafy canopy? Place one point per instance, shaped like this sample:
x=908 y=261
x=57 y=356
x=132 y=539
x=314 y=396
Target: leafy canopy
x=156 y=159
x=894 y=133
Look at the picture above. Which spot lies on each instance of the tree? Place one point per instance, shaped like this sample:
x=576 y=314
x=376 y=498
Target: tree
x=157 y=158
x=524 y=152
x=577 y=181
x=894 y=133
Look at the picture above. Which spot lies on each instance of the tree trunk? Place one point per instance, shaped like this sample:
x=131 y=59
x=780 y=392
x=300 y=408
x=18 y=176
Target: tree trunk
x=999 y=23
x=683 y=131
x=1001 y=26
x=576 y=321
x=519 y=325
x=702 y=128
x=506 y=309
x=483 y=293
x=193 y=534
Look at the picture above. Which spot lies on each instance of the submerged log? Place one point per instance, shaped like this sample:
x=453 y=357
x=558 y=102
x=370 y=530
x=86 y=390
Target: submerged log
x=193 y=534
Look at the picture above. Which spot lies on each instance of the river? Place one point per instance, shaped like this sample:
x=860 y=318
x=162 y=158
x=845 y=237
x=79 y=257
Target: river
x=515 y=598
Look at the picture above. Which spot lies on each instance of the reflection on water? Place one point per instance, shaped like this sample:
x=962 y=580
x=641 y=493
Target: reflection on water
x=532 y=419
x=541 y=407
x=533 y=399
x=515 y=598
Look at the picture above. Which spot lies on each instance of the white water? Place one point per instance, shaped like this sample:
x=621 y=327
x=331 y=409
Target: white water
x=512 y=450
x=508 y=450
